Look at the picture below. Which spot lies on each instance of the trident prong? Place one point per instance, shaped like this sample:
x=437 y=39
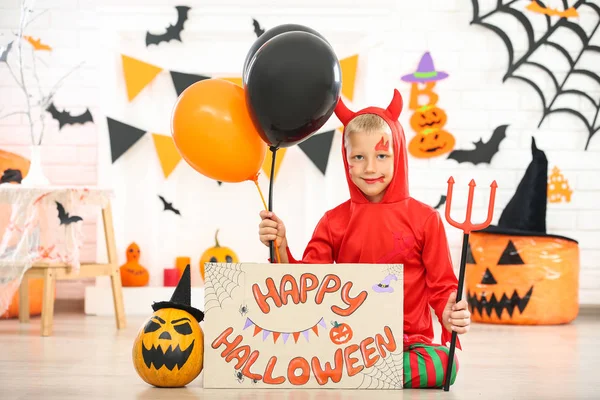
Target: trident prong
x=468 y=226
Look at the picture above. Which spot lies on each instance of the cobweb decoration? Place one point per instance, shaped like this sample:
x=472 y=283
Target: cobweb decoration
x=394 y=269
x=558 y=56
x=387 y=373
x=221 y=280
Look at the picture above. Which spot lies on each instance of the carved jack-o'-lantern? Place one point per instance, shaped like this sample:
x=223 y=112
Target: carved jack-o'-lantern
x=217 y=254
x=340 y=333
x=526 y=280
x=169 y=348
x=428 y=117
x=431 y=143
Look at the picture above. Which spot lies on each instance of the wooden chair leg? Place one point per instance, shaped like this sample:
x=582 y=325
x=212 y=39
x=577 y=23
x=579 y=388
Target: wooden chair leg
x=24 y=299
x=115 y=277
x=48 y=302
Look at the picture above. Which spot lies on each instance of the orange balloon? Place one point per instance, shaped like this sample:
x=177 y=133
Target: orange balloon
x=214 y=133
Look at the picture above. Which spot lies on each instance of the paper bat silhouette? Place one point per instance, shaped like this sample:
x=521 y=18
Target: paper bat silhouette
x=36 y=43
x=535 y=7
x=441 y=202
x=4 y=53
x=173 y=31
x=257 y=28
x=65 y=117
x=66 y=219
x=483 y=152
x=168 y=206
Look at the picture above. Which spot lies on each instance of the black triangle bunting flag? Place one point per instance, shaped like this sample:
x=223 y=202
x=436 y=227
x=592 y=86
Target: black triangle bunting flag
x=182 y=81
x=122 y=137
x=317 y=148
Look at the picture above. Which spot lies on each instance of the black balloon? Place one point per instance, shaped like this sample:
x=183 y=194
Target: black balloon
x=270 y=34
x=293 y=86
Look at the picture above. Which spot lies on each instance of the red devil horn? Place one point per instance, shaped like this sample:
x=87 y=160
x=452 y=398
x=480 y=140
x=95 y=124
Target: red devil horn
x=395 y=107
x=343 y=113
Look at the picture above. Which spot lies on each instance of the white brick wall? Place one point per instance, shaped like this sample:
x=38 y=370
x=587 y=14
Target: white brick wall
x=390 y=36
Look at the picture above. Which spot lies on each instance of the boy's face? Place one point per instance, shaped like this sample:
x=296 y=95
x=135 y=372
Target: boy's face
x=371 y=163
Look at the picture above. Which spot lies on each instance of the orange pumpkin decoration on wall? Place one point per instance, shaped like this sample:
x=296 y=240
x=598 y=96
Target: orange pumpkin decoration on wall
x=428 y=117
x=340 y=333
x=431 y=142
x=217 y=254
x=132 y=273
x=169 y=348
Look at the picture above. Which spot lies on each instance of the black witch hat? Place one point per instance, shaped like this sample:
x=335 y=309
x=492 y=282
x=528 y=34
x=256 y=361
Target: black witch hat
x=525 y=213
x=181 y=298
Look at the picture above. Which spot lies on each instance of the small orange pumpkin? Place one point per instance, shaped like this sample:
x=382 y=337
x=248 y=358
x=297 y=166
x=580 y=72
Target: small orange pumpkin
x=132 y=273
x=217 y=254
x=431 y=143
x=35 y=291
x=522 y=279
x=340 y=333
x=428 y=117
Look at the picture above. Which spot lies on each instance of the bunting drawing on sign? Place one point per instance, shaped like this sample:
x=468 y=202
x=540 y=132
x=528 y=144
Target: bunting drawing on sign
x=317 y=148
x=182 y=81
x=349 y=66
x=266 y=167
x=122 y=137
x=167 y=153
x=138 y=74
x=285 y=335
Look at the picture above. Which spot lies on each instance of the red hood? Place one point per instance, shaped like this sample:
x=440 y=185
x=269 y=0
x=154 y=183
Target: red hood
x=398 y=187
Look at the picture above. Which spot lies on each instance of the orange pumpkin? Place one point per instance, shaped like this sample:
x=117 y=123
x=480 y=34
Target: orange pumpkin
x=428 y=117
x=431 y=143
x=521 y=279
x=35 y=291
x=340 y=333
x=132 y=273
x=13 y=161
x=217 y=254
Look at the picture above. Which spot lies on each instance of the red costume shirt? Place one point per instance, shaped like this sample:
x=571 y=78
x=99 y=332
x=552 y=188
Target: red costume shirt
x=399 y=229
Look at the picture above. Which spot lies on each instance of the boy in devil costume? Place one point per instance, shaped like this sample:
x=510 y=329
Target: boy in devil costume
x=382 y=224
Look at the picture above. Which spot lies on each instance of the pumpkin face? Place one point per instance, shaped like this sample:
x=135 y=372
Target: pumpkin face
x=169 y=349
x=340 y=333
x=524 y=280
x=132 y=273
x=217 y=254
x=428 y=117
x=430 y=143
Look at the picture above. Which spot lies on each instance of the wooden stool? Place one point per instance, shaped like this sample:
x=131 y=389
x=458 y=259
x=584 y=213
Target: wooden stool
x=51 y=272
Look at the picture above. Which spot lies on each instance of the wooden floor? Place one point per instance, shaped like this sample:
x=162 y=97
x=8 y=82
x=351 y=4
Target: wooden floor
x=87 y=358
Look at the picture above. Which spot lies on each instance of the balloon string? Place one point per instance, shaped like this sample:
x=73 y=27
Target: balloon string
x=266 y=208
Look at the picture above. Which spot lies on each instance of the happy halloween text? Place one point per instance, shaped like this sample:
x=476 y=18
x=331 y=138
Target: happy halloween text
x=369 y=349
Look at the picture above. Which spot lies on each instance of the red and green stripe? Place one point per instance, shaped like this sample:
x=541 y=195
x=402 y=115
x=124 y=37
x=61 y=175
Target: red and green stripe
x=425 y=366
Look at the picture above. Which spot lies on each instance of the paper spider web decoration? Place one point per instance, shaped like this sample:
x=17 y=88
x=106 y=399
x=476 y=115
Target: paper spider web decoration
x=223 y=279
x=564 y=85
x=387 y=373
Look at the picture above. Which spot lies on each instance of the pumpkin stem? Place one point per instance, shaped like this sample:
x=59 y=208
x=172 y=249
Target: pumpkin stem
x=217 y=240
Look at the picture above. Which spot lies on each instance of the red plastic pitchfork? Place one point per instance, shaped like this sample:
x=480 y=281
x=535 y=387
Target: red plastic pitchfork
x=466 y=227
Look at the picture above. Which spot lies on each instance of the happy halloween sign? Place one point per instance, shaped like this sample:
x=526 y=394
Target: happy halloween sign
x=303 y=325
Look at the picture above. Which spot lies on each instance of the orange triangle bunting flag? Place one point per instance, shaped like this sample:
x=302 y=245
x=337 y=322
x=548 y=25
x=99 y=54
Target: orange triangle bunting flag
x=296 y=336
x=315 y=329
x=138 y=74
x=269 y=160
x=257 y=330
x=167 y=153
x=276 y=336
x=348 y=66
x=238 y=81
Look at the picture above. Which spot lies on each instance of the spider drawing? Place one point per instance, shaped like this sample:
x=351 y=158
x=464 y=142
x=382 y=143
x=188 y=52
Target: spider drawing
x=254 y=381
x=243 y=309
x=238 y=375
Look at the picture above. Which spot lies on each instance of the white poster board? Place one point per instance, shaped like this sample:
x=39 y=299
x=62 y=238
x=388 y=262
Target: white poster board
x=303 y=325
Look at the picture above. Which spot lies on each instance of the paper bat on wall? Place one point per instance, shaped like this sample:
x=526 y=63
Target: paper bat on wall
x=441 y=202
x=173 y=31
x=66 y=219
x=168 y=206
x=65 y=117
x=552 y=12
x=483 y=152
x=4 y=52
x=257 y=28
x=36 y=43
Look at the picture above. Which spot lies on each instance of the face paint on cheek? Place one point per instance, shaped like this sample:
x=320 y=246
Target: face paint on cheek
x=382 y=145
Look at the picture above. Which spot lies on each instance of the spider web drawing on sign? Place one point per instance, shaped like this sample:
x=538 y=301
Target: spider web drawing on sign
x=558 y=56
x=221 y=280
x=387 y=373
